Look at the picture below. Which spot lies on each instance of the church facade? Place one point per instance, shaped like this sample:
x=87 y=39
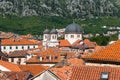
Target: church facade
x=73 y=32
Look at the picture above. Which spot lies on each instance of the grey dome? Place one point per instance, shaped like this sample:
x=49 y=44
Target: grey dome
x=53 y=31
x=73 y=28
x=47 y=31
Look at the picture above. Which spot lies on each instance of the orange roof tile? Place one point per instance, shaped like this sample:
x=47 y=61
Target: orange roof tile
x=75 y=61
x=10 y=66
x=61 y=72
x=76 y=42
x=55 y=56
x=35 y=69
x=110 y=53
x=18 y=42
x=64 y=43
x=93 y=73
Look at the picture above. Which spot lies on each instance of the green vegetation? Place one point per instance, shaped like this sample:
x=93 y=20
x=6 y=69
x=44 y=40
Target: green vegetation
x=103 y=40
x=36 y=24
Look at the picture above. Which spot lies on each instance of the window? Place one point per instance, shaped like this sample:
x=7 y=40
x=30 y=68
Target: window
x=52 y=37
x=16 y=47
x=12 y=59
x=78 y=36
x=104 y=76
x=55 y=37
x=56 y=57
x=4 y=47
x=47 y=57
x=10 y=47
x=72 y=36
x=33 y=46
x=28 y=47
x=22 y=47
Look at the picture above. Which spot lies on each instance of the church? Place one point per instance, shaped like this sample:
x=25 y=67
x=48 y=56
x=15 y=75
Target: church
x=73 y=32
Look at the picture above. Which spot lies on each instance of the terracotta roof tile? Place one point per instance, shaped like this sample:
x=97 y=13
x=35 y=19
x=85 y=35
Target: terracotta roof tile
x=55 y=56
x=10 y=66
x=61 y=72
x=75 y=61
x=18 y=42
x=18 y=53
x=23 y=75
x=64 y=43
x=93 y=73
x=110 y=53
x=35 y=69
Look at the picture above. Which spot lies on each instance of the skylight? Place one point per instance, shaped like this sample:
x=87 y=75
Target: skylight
x=104 y=76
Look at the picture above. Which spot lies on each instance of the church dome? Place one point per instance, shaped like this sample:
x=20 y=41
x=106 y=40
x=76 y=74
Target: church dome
x=47 y=31
x=53 y=31
x=73 y=28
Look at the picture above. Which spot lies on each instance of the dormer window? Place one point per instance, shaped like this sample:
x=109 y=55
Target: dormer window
x=104 y=76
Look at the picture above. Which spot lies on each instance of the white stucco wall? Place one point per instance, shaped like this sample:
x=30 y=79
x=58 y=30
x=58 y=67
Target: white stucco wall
x=46 y=76
x=75 y=38
x=16 y=60
x=13 y=47
x=2 y=68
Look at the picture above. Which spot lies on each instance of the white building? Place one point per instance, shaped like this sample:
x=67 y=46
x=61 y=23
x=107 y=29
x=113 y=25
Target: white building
x=9 y=45
x=73 y=32
x=50 y=38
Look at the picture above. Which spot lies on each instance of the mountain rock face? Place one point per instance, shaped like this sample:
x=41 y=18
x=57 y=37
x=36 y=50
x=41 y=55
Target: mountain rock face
x=64 y=8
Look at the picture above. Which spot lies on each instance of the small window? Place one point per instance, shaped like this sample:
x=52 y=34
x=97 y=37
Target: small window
x=22 y=47
x=10 y=47
x=16 y=47
x=4 y=47
x=28 y=47
x=33 y=46
x=52 y=37
x=47 y=57
x=12 y=59
x=56 y=57
x=45 y=37
x=104 y=76
x=78 y=36
x=72 y=36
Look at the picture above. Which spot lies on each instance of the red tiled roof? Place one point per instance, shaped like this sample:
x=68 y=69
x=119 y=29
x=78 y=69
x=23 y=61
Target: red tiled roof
x=10 y=66
x=49 y=52
x=93 y=73
x=76 y=42
x=75 y=61
x=61 y=72
x=110 y=53
x=23 y=75
x=89 y=43
x=64 y=43
x=35 y=69
x=18 y=42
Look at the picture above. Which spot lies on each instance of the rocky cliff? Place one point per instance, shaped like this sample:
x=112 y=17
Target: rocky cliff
x=64 y=8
